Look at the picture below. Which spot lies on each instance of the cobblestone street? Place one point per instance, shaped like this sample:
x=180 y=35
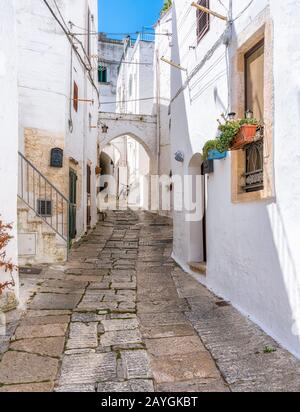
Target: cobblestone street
x=120 y=316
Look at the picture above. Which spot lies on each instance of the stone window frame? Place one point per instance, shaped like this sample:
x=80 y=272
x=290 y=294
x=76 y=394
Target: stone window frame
x=260 y=29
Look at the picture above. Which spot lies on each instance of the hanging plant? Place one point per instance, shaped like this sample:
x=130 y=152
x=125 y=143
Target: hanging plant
x=5 y=264
x=229 y=132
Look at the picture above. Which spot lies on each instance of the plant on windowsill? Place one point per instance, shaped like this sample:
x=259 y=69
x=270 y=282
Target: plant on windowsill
x=234 y=135
x=5 y=264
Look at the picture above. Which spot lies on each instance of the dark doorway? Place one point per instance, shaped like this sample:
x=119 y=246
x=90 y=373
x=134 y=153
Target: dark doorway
x=88 y=189
x=73 y=204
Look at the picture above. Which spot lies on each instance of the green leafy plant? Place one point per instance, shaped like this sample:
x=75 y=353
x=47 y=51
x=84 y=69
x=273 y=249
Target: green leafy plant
x=269 y=349
x=228 y=132
x=167 y=5
x=209 y=145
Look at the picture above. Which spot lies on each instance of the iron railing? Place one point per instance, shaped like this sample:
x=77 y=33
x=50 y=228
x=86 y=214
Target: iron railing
x=43 y=198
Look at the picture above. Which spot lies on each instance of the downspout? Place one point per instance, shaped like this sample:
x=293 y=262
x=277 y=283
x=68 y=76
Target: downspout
x=158 y=110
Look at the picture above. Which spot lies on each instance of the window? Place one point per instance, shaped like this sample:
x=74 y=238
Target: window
x=254 y=81
x=44 y=208
x=254 y=101
x=203 y=20
x=75 y=97
x=102 y=74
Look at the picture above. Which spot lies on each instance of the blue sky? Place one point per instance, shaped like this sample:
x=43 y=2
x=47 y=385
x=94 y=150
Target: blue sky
x=126 y=16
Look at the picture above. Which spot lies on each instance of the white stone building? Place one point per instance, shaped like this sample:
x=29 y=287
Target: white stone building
x=58 y=116
x=249 y=239
x=142 y=116
x=110 y=56
x=8 y=142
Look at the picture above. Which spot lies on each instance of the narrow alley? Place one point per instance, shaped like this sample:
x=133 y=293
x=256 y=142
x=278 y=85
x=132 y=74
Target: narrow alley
x=120 y=316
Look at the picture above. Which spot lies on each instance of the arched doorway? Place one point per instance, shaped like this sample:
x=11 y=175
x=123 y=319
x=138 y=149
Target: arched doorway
x=197 y=221
x=130 y=170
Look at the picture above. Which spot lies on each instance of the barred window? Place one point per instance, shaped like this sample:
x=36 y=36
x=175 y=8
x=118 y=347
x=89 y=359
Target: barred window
x=44 y=208
x=254 y=99
x=203 y=20
x=254 y=176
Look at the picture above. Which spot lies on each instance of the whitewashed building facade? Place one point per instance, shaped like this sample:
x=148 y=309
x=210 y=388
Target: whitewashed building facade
x=8 y=144
x=249 y=239
x=58 y=117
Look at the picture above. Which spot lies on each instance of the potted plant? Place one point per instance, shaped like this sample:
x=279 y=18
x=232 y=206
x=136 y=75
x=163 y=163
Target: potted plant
x=246 y=134
x=234 y=135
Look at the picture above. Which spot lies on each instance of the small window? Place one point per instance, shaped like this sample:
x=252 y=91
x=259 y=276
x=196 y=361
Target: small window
x=102 y=74
x=44 y=208
x=75 y=97
x=203 y=20
x=57 y=156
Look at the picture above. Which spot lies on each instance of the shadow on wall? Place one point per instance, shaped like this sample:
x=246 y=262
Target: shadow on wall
x=250 y=262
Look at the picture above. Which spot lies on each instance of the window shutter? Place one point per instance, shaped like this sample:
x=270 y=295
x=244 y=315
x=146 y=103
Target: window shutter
x=75 y=97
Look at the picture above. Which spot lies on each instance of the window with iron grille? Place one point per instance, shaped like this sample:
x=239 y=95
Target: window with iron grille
x=254 y=176
x=203 y=20
x=44 y=208
x=254 y=101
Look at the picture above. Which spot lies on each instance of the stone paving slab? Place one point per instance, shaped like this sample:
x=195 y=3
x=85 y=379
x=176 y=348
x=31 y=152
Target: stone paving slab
x=136 y=364
x=55 y=301
x=184 y=367
x=121 y=316
x=31 y=387
x=88 y=368
x=18 y=368
x=174 y=346
x=83 y=335
x=52 y=347
x=41 y=331
x=133 y=385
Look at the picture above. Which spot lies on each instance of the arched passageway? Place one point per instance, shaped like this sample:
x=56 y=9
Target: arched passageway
x=125 y=174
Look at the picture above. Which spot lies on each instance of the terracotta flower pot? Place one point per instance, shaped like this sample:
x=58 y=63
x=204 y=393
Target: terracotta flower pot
x=245 y=136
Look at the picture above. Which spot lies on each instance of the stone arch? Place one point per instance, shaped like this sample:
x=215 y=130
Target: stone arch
x=142 y=128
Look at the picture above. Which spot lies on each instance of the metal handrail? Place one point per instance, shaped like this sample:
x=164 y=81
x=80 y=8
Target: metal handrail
x=34 y=188
x=44 y=177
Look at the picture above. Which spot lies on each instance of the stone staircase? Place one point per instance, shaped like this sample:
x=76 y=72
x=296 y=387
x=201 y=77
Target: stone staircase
x=43 y=218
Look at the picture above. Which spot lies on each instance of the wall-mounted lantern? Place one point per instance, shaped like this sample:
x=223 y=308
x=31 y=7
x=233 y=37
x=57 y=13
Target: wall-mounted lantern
x=57 y=157
x=179 y=157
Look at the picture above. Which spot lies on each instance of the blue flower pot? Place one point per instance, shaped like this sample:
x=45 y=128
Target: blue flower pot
x=216 y=155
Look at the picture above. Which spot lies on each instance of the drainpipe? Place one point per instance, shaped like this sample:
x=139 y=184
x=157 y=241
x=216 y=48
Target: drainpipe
x=158 y=109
